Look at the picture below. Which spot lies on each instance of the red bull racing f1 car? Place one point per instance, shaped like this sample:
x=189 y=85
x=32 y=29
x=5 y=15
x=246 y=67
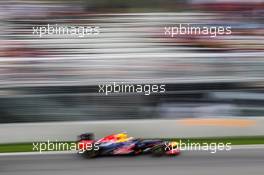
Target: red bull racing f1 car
x=121 y=144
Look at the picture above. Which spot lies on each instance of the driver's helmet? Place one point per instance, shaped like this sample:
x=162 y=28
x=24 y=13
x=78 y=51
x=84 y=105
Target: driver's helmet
x=122 y=137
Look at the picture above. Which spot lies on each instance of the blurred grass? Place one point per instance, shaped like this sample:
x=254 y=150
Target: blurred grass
x=232 y=140
x=28 y=147
x=21 y=147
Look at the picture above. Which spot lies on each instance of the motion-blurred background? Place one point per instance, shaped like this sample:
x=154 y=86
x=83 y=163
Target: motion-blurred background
x=56 y=78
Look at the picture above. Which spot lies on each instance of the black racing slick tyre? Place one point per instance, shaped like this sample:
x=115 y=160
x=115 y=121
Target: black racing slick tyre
x=86 y=136
x=90 y=154
x=158 y=151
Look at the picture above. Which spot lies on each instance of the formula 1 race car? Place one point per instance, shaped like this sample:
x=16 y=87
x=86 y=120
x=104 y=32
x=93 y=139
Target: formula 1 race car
x=121 y=144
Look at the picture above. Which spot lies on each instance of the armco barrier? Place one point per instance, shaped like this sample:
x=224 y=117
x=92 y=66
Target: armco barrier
x=65 y=131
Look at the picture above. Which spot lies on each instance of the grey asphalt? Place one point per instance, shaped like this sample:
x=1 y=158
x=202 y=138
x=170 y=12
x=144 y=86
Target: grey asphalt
x=234 y=162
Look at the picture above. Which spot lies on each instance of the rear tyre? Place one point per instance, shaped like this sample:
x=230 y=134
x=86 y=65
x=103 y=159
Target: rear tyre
x=90 y=153
x=86 y=136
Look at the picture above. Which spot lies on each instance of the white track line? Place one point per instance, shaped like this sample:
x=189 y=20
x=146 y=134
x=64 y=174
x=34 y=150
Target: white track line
x=38 y=153
x=260 y=146
x=234 y=147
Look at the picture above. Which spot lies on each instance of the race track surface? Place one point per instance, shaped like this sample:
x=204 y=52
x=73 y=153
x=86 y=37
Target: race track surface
x=234 y=162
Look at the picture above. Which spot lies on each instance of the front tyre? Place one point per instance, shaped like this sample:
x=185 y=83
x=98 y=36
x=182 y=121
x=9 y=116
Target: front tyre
x=158 y=151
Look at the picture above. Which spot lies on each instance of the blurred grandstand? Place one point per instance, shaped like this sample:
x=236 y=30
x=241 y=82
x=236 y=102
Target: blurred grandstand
x=56 y=78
